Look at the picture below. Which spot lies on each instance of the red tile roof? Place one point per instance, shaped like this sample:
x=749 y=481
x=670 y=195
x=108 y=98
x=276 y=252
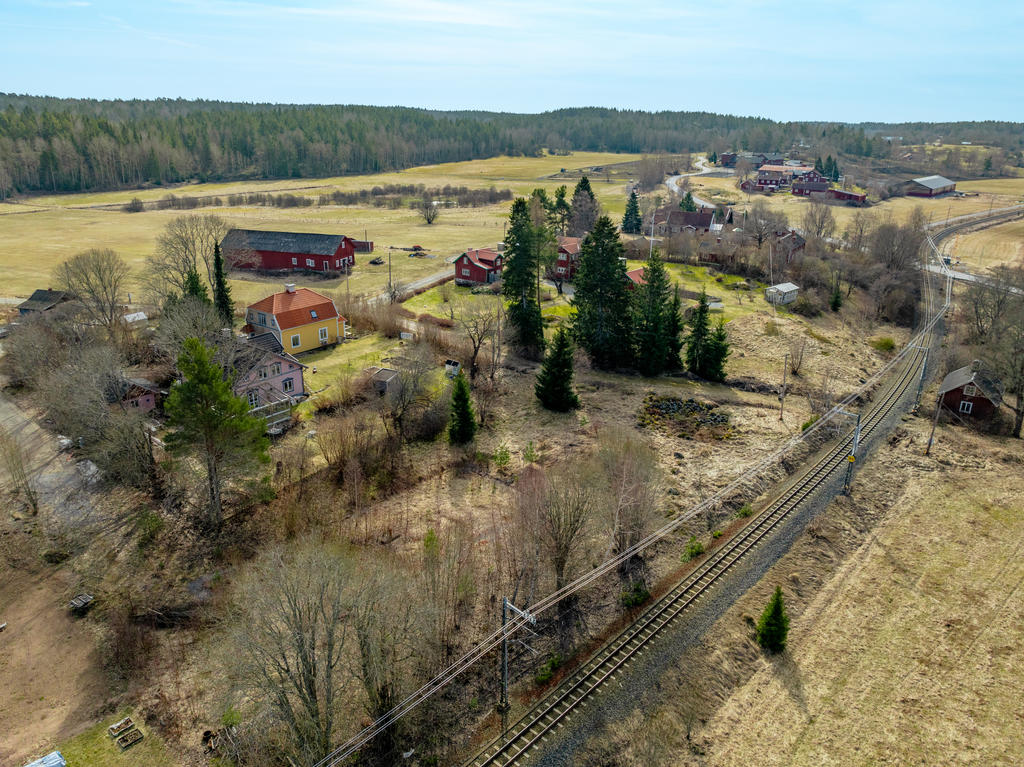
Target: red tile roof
x=483 y=257
x=294 y=309
x=637 y=276
x=570 y=245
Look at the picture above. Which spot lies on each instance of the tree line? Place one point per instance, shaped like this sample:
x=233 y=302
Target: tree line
x=63 y=145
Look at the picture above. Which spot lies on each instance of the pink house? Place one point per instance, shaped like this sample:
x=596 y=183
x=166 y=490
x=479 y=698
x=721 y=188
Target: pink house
x=267 y=377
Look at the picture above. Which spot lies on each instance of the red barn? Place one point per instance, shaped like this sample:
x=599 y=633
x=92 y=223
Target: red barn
x=971 y=391
x=478 y=267
x=810 y=183
x=846 y=196
x=254 y=249
x=568 y=259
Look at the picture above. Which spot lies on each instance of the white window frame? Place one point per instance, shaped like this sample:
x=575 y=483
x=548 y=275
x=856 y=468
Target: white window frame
x=275 y=369
x=970 y=390
x=312 y=313
x=253 y=397
x=288 y=384
x=295 y=261
x=966 y=406
x=325 y=334
x=311 y=262
x=561 y=270
x=466 y=272
x=262 y=373
x=262 y=319
x=296 y=340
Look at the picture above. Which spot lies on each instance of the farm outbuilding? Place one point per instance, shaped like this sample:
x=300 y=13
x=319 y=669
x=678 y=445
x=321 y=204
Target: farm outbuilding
x=783 y=293
x=43 y=300
x=971 y=391
x=930 y=186
x=253 y=249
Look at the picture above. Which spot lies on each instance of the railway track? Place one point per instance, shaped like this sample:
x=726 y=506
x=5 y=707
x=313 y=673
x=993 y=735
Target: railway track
x=552 y=711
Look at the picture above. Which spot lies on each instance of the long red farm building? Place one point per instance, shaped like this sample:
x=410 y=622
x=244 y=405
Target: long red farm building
x=255 y=249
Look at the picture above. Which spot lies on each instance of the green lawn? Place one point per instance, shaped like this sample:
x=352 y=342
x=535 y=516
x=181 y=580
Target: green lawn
x=95 y=748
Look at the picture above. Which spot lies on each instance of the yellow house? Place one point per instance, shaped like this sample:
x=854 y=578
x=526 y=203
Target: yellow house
x=302 y=320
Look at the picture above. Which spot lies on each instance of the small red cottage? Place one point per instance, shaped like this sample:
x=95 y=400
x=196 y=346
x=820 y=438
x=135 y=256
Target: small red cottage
x=846 y=196
x=810 y=183
x=252 y=249
x=971 y=391
x=478 y=266
x=568 y=259
x=635 y=278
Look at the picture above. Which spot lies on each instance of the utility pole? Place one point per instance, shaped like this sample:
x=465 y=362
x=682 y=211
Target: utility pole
x=935 y=420
x=389 y=272
x=782 y=391
x=920 y=380
x=506 y=607
x=852 y=457
x=650 y=251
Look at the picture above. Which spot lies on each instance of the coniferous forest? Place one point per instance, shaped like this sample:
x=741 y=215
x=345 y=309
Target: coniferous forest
x=64 y=145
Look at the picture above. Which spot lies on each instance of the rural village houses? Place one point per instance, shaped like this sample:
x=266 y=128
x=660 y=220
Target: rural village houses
x=291 y=251
x=300 y=319
x=478 y=266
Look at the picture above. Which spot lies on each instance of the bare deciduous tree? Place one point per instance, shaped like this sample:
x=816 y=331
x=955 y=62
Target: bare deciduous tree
x=858 y=231
x=987 y=302
x=797 y=348
x=818 y=221
x=762 y=222
x=479 y=322
x=290 y=631
x=426 y=209
x=185 y=245
x=633 y=486
x=409 y=392
x=16 y=464
x=97 y=278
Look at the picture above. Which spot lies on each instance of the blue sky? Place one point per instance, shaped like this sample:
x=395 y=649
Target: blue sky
x=827 y=59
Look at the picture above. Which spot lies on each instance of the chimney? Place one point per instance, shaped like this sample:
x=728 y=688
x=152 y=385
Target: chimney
x=975 y=366
x=289 y=287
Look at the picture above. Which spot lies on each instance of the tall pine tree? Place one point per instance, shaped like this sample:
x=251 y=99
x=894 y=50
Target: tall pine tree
x=583 y=185
x=674 y=332
x=221 y=289
x=631 y=223
x=462 y=422
x=602 y=321
x=519 y=280
x=651 y=306
x=554 y=381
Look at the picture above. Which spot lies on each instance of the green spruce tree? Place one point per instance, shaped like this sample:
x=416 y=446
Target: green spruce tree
x=560 y=210
x=651 y=306
x=631 y=223
x=194 y=287
x=462 y=423
x=835 y=301
x=519 y=280
x=718 y=353
x=554 y=386
x=687 y=203
x=583 y=185
x=221 y=289
x=819 y=166
x=713 y=158
x=773 y=627
x=674 y=332
x=699 y=337
x=207 y=420
x=602 y=321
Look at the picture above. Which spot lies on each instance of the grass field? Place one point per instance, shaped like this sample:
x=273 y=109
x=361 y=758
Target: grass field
x=912 y=654
x=95 y=748
x=38 y=235
x=986 y=248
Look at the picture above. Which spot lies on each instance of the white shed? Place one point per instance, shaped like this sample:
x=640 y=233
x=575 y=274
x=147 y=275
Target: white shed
x=783 y=293
x=53 y=759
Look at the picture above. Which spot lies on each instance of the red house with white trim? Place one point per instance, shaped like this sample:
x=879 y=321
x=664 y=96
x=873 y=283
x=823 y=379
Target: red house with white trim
x=568 y=259
x=254 y=249
x=478 y=266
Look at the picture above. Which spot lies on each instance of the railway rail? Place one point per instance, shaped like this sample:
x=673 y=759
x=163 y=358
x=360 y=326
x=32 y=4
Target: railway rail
x=526 y=734
x=598 y=670
x=551 y=712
